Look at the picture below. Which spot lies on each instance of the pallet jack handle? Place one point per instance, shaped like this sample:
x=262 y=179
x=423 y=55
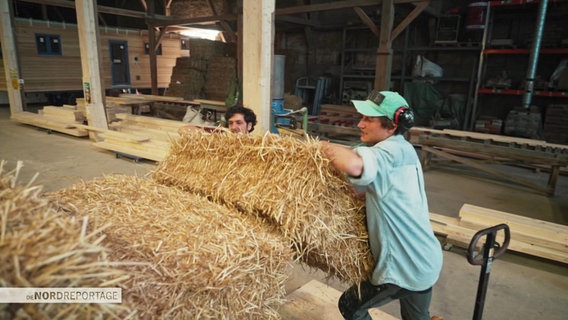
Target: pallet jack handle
x=491 y=250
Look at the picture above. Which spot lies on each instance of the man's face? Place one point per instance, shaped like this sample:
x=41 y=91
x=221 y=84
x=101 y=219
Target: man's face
x=237 y=123
x=372 y=131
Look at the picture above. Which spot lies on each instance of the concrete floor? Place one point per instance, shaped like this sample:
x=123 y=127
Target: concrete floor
x=520 y=286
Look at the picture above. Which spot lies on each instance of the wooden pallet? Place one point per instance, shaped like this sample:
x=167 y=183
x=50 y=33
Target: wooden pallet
x=317 y=301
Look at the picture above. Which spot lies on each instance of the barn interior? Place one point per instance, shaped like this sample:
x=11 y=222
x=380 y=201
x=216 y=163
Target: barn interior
x=100 y=89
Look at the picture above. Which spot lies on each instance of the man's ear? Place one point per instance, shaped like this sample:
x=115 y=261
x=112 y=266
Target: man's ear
x=395 y=126
x=249 y=126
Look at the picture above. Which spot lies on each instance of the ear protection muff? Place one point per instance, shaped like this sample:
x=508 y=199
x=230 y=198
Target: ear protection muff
x=404 y=117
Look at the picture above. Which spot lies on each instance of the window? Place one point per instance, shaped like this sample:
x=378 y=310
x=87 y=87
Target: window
x=48 y=44
x=147 y=49
x=184 y=44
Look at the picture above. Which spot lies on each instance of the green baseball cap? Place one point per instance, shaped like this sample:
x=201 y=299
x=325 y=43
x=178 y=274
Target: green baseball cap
x=380 y=104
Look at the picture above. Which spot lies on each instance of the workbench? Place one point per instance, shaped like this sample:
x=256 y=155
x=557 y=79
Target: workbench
x=472 y=148
x=212 y=105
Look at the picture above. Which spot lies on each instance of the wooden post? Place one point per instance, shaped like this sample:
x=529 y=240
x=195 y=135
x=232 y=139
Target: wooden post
x=384 y=52
x=258 y=49
x=240 y=43
x=89 y=45
x=152 y=50
x=10 y=54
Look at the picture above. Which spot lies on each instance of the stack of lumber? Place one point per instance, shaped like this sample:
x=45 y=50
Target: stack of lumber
x=529 y=236
x=66 y=119
x=138 y=136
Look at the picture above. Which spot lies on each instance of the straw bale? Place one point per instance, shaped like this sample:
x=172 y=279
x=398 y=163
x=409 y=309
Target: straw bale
x=285 y=180
x=42 y=246
x=204 y=261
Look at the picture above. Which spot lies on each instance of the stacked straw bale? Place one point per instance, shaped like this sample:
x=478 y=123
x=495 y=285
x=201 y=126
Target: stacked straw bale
x=288 y=182
x=42 y=246
x=197 y=259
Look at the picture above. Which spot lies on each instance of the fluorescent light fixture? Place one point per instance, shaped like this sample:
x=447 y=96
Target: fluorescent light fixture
x=200 y=33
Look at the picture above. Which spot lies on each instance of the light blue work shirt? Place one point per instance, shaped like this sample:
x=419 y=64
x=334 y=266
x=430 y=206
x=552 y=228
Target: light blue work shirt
x=406 y=251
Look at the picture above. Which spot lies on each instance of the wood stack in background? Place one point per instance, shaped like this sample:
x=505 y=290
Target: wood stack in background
x=556 y=124
x=66 y=119
x=138 y=137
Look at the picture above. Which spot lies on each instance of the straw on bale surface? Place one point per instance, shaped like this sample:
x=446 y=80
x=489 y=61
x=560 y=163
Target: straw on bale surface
x=41 y=246
x=287 y=181
x=204 y=261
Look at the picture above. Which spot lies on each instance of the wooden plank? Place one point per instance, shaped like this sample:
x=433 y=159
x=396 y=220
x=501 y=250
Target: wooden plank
x=546 y=189
x=116 y=134
x=494 y=137
x=155 y=155
x=461 y=237
x=317 y=301
x=489 y=137
x=149 y=97
x=154 y=134
x=64 y=114
x=532 y=231
x=157 y=123
x=50 y=124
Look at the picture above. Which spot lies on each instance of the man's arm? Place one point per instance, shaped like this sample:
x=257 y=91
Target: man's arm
x=343 y=158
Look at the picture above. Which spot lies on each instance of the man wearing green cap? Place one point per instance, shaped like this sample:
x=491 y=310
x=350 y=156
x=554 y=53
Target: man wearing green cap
x=408 y=256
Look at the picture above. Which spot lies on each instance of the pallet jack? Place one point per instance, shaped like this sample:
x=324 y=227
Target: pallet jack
x=491 y=250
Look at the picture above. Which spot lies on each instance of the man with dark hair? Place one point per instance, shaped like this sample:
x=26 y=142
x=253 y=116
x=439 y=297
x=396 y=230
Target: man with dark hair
x=407 y=254
x=240 y=119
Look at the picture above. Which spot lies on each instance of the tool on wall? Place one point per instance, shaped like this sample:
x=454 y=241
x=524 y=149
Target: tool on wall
x=491 y=250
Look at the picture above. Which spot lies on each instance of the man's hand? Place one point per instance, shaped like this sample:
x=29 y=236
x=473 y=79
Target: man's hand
x=343 y=158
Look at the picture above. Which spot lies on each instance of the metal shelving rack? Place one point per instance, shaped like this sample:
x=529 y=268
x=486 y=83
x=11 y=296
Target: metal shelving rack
x=486 y=52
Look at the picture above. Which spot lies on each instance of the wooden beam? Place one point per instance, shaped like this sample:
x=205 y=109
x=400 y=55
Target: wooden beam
x=411 y=16
x=168 y=21
x=296 y=20
x=258 y=28
x=240 y=45
x=367 y=21
x=384 y=51
x=160 y=37
x=226 y=27
x=10 y=54
x=152 y=43
x=100 y=9
x=89 y=45
x=334 y=6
